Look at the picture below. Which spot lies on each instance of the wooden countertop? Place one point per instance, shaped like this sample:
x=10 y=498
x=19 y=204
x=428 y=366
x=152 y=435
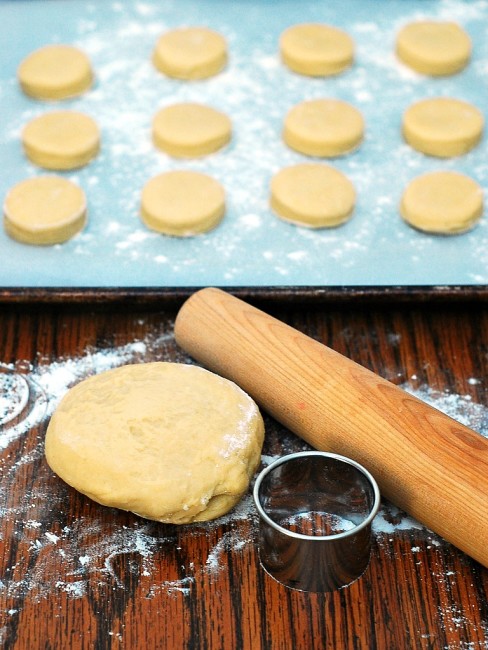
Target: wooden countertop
x=74 y=574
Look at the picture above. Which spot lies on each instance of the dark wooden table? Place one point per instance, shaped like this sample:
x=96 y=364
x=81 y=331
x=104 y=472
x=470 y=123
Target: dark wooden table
x=74 y=574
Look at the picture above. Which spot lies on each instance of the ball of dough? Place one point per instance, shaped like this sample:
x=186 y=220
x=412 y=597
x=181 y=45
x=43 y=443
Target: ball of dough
x=316 y=50
x=323 y=127
x=190 y=53
x=434 y=48
x=168 y=441
x=55 y=72
x=443 y=127
x=61 y=140
x=312 y=195
x=44 y=210
x=190 y=130
x=443 y=202
x=182 y=203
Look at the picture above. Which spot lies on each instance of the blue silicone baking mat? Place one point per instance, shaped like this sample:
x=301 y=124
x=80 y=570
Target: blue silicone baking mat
x=251 y=247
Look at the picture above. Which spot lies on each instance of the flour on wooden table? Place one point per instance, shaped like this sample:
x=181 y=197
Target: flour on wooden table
x=89 y=549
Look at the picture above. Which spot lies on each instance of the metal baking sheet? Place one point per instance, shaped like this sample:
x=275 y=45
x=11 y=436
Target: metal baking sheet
x=251 y=247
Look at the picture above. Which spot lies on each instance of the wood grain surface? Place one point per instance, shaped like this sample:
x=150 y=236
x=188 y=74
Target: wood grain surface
x=74 y=574
x=424 y=462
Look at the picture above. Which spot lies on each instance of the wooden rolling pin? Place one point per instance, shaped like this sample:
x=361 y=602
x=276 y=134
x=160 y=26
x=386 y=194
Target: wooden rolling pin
x=425 y=462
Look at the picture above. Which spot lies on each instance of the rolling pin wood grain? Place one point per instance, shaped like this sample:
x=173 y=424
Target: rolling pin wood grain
x=425 y=462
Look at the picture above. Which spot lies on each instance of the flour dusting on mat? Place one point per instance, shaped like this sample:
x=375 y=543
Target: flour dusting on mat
x=70 y=553
x=375 y=248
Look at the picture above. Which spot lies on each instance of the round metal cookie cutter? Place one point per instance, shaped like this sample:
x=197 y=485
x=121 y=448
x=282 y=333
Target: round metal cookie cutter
x=315 y=510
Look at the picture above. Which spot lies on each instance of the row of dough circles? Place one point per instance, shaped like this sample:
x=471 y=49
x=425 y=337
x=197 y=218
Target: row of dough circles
x=312 y=49
x=182 y=203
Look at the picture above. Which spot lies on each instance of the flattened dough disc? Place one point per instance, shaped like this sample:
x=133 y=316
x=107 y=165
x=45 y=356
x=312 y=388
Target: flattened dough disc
x=434 y=47
x=55 y=72
x=170 y=442
x=442 y=126
x=44 y=210
x=182 y=203
x=190 y=53
x=316 y=50
x=442 y=202
x=323 y=127
x=189 y=130
x=312 y=195
x=61 y=140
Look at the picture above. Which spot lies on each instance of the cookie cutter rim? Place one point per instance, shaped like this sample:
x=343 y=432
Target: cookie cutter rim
x=302 y=454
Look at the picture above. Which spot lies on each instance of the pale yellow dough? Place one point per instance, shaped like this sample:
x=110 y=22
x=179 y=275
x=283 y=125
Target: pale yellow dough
x=323 y=128
x=316 y=50
x=190 y=130
x=55 y=72
x=61 y=140
x=434 y=48
x=312 y=195
x=182 y=203
x=443 y=127
x=44 y=210
x=170 y=442
x=190 y=53
x=443 y=202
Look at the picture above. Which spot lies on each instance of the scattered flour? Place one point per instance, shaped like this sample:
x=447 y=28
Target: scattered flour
x=72 y=554
x=256 y=91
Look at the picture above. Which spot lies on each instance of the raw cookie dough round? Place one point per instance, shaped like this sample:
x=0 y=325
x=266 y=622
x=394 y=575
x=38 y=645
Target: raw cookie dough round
x=442 y=126
x=312 y=195
x=55 y=72
x=182 y=203
x=316 y=50
x=168 y=441
x=44 y=210
x=61 y=140
x=190 y=53
x=190 y=130
x=434 y=47
x=443 y=202
x=323 y=127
